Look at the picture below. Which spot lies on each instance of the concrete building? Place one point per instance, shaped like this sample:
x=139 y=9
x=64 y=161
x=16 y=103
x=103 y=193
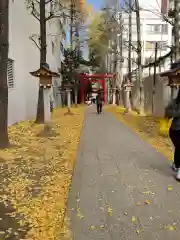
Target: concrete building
x=153 y=29
x=24 y=57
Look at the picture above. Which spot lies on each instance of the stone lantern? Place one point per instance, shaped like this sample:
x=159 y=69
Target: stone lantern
x=173 y=76
x=127 y=87
x=45 y=76
x=68 y=88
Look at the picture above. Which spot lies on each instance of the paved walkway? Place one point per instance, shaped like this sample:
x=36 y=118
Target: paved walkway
x=122 y=188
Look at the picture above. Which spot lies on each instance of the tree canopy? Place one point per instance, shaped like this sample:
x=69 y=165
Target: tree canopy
x=98 y=38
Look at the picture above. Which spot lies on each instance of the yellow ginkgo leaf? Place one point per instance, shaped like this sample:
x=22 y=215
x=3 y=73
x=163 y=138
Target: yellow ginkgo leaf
x=147 y=202
x=133 y=219
x=148 y=193
x=169 y=188
x=170 y=227
x=92 y=227
x=110 y=210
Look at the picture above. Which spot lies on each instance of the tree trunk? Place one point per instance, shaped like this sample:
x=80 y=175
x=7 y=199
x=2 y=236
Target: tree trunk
x=121 y=61
x=139 y=59
x=127 y=94
x=176 y=28
x=176 y=38
x=130 y=41
x=40 y=108
x=4 y=48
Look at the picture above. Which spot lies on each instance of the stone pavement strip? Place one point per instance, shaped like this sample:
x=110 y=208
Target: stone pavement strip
x=122 y=188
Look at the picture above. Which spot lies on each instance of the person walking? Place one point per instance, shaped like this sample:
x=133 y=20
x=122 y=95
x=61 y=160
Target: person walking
x=173 y=111
x=99 y=101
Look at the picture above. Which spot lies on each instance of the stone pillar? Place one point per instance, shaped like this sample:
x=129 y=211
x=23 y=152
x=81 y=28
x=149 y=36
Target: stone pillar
x=47 y=109
x=76 y=97
x=127 y=92
x=113 y=96
x=69 y=99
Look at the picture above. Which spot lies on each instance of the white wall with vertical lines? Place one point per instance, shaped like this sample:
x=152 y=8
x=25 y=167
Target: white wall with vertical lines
x=23 y=96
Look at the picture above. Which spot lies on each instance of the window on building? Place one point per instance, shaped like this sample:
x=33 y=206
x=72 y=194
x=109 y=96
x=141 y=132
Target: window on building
x=150 y=45
x=157 y=28
x=10 y=73
x=52 y=43
x=153 y=28
x=165 y=28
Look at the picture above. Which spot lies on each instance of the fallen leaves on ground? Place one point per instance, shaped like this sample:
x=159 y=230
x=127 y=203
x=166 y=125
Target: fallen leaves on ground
x=169 y=188
x=147 y=202
x=92 y=227
x=147 y=127
x=170 y=227
x=134 y=219
x=35 y=175
x=149 y=193
x=110 y=211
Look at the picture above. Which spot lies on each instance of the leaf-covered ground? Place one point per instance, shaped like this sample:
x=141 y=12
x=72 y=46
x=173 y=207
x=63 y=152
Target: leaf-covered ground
x=147 y=127
x=35 y=175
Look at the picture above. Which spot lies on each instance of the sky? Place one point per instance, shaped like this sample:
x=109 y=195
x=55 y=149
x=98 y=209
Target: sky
x=96 y=4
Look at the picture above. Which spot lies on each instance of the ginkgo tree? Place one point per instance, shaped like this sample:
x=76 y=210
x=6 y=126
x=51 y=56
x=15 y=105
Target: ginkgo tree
x=98 y=38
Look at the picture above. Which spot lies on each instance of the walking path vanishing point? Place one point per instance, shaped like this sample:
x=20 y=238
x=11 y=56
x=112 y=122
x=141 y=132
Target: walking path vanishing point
x=122 y=188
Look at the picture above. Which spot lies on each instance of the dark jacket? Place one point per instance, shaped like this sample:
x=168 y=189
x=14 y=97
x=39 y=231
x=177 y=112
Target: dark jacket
x=99 y=99
x=173 y=111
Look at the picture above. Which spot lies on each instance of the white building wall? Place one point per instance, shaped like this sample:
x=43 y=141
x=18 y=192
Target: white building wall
x=147 y=18
x=26 y=56
x=23 y=97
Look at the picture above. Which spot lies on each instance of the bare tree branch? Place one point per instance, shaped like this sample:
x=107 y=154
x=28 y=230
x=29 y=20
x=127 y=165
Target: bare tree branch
x=34 y=12
x=48 y=1
x=34 y=41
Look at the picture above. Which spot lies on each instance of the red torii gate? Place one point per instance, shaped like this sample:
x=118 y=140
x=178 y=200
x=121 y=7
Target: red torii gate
x=99 y=78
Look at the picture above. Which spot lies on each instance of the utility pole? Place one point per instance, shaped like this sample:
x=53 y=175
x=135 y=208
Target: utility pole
x=176 y=29
x=139 y=53
x=121 y=56
x=71 y=31
x=176 y=38
x=115 y=36
x=129 y=77
x=130 y=42
x=68 y=90
x=154 y=77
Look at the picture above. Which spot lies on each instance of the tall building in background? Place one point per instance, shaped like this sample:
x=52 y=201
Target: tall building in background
x=153 y=29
